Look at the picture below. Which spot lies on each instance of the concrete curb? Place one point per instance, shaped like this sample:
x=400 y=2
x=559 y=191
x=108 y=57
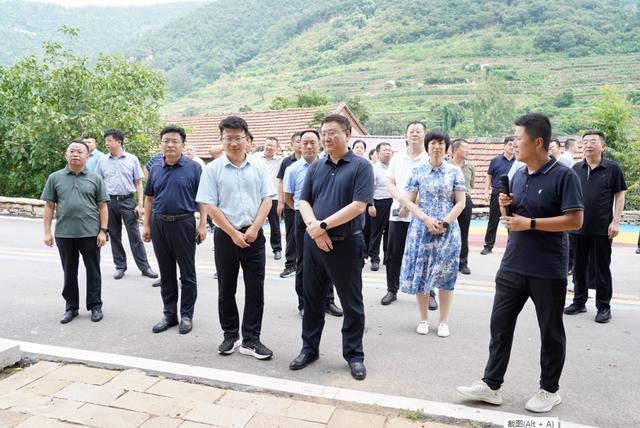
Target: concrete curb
x=9 y=353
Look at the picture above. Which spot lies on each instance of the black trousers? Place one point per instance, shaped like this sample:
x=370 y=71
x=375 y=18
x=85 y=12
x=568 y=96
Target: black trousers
x=591 y=269
x=174 y=243
x=379 y=229
x=290 y=254
x=300 y=231
x=341 y=266
x=464 y=220
x=395 y=252
x=366 y=231
x=70 y=250
x=123 y=212
x=229 y=258
x=512 y=292
x=494 y=220
x=274 y=225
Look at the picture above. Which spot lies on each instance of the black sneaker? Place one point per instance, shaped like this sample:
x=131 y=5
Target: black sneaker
x=464 y=269
x=574 y=309
x=486 y=250
x=229 y=345
x=288 y=272
x=256 y=349
x=603 y=316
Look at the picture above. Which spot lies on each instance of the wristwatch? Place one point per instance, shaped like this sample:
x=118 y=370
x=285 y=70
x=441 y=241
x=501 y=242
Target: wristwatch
x=323 y=225
x=445 y=224
x=532 y=226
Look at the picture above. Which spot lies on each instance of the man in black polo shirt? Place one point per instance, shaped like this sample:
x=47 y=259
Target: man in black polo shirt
x=603 y=186
x=545 y=201
x=336 y=192
x=500 y=165
x=171 y=197
x=287 y=212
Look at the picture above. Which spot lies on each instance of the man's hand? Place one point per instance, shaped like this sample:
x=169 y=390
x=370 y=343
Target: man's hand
x=504 y=200
x=280 y=209
x=516 y=223
x=613 y=230
x=433 y=225
x=324 y=243
x=146 y=233
x=372 y=211
x=239 y=240
x=314 y=230
x=404 y=211
x=48 y=239
x=101 y=239
x=201 y=233
x=251 y=234
x=139 y=211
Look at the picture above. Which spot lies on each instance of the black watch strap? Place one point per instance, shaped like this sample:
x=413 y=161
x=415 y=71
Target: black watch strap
x=532 y=226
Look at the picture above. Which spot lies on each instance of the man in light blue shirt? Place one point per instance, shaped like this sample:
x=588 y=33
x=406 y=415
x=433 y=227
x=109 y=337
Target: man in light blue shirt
x=294 y=178
x=237 y=193
x=94 y=154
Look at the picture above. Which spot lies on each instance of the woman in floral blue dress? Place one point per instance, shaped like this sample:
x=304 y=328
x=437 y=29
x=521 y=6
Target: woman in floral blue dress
x=433 y=240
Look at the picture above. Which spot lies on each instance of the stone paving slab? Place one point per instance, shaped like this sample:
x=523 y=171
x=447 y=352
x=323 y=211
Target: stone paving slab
x=190 y=391
x=9 y=418
x=133 y=380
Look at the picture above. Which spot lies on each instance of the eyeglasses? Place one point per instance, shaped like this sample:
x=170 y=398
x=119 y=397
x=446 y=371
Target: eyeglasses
x=237 y=140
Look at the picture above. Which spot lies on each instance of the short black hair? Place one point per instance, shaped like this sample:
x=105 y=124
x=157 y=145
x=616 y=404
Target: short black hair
x=508 y=138
x=272 y=139
x=358 y=142
x=596 y=132
x=297 y=134
x=437 y=134
x=87 y=136
x=371 y=153
x=115 y=133
x=307 y=131
x=78 y=141
x=339 y=119
x=416 y=122
x=249 y=134
x=234 y=122
x=455 y=144
x=380 y=145
x=569 y=143
x=555 y=140
x=176 y=129
x=536 y=125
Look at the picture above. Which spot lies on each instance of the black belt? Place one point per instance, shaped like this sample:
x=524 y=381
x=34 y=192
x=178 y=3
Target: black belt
x=335 y=238
x=243 y=229
x=172 y=217
x=121 y=197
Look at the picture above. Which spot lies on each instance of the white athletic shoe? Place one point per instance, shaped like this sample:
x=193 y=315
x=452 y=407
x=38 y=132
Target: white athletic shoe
x=480 y=391
x=423 y=327
x=443 y=330
x=543 y=401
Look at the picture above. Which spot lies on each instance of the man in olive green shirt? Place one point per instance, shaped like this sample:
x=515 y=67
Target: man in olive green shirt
x=78 y=198
x=459 y=158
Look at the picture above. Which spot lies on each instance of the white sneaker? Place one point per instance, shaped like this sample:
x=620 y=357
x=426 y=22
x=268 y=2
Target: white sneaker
x=543 y=401
x=423 y=327
x=443 y=330
x=480 y=391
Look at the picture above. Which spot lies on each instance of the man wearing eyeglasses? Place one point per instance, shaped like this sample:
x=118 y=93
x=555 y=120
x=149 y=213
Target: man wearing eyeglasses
x=336 y=191
x=237 y=192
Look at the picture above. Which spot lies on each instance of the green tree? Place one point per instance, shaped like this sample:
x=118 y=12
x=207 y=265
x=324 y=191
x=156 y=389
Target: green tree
x=46 y=103
x=492 y=110
x=564 y=99
x=357 y=107
x=304 y=98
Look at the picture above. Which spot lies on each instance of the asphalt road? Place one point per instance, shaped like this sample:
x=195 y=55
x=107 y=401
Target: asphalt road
x=600 y=385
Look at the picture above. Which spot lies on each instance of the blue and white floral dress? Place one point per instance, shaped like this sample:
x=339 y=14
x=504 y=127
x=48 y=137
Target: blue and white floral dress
x=431 y=261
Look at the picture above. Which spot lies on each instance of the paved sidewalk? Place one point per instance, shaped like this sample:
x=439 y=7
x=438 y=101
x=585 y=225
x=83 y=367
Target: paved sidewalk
x=49 y=394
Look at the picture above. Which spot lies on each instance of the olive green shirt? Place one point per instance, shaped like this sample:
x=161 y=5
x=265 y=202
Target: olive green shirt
x=76 y=198
x=469 y=176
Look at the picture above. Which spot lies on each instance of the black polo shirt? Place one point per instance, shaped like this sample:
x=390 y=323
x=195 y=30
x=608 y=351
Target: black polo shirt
x=498 y=166
x=286 y=163
x=548 y=192
x=599 y=185
x=329 y=187
x=174 y=187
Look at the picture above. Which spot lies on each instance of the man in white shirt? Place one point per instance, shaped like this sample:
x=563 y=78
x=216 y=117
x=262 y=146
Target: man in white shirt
x=271 y=162
x=570 y=148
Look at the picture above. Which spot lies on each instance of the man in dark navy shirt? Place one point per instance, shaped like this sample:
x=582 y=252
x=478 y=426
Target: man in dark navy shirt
x=500 y=165
x=170 y=224
x=546 y=200
x=335 y=194
x=603 y=186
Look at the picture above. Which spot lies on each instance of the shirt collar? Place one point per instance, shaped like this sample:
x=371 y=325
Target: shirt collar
x=431 y=168
x=544 y=169
x=602 y=163
x=348 y=157
x=68 y=170
x=122 y=155
x=180 y=162
x=248 y=160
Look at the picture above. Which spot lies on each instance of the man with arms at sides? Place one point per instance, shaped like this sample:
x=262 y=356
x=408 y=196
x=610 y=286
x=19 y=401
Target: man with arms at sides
x=380 y=211
x=238 y=192
x=603 y=186
x=498 y=166
x=398 y=174
x=284 y=210
x=79 y=200
x=336 y=192
x=459 y=158
x=293 y=183
x=122 y=174
x=170 y=224
x=271 y=162
x=94 y=154
x=545 y=201
x=570 y=148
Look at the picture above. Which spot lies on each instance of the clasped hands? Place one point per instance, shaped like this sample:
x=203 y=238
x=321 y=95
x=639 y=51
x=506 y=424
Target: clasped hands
x=320 y=236
x=435 y=226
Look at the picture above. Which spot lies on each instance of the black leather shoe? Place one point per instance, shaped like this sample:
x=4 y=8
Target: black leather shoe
x=149 y=273
x=332 y=309
x=157 y=283
x=302 y=361
x=277 y=255
x=603 y=316
x=68 y=316
x=375 y=266
x=464 y=269
x=96 y=314
x=574 y=309
x=486 y=250
x=389 y=298
x=118 y=274
x=358 y=371
x=185 y=325
x=164 y=324
x=433 y=305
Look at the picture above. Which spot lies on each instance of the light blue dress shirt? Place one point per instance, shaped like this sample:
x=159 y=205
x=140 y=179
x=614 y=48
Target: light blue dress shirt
x=237 y=191
x=120 y=173
x=294 y=180
x=94 y=158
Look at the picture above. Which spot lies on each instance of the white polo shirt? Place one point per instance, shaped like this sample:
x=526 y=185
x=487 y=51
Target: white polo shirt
x=400 y=169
